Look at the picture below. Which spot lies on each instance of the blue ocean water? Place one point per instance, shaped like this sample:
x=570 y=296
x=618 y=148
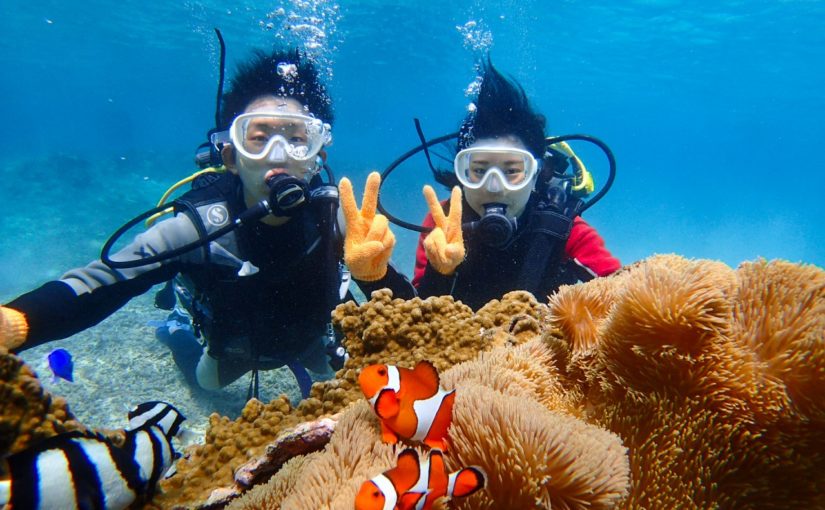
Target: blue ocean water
x=713 y=109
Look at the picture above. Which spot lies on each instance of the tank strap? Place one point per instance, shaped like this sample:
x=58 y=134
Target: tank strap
x=548 y=232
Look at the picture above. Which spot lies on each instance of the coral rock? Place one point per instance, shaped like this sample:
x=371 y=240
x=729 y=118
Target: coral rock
x=29 y=413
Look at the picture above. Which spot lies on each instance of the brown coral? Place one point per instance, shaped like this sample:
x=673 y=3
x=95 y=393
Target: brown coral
x=531 y=455
x=271 y=494
x=713 y=378
x=384 y=330
x=29 y=413
x=525 y=371
x=407 y=331
x=779 y=314
x=329 y=479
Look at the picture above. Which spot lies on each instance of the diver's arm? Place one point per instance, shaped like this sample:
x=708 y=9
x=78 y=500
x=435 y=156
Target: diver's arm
x=427 y=281
x=586 y=249
x=394 y=280
x=85 y=296
x=433 y=283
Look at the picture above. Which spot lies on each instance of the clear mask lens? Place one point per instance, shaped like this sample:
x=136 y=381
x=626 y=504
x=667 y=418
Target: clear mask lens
x=496 y=169
x=276 y=136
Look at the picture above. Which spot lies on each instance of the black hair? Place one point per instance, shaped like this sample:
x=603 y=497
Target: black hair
x=260 y=76
x=501 y=109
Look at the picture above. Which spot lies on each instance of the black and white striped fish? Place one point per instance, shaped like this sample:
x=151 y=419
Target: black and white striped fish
x=87 y=471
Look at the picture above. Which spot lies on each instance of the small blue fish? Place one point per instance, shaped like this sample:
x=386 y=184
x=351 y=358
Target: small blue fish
x=60 y=361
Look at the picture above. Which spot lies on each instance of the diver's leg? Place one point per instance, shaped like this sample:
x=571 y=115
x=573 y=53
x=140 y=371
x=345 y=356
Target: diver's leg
x=301 y=377
x=186 y=350
x=215 y=373
x=207 y=372
x=316 y=360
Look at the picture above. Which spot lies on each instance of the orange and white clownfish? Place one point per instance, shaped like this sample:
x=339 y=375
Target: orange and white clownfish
x=409 y=403
x=416 y=485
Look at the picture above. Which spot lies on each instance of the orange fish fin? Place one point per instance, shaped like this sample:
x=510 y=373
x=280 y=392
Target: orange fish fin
x=468 y=481
x=369 y=497
x=436 y=456
x=437 y=435
x=388 y=435
x=408 y=500
x=408 y=460
x=437 y=444
x=438 y=478
x=406 y=471
x=426 y=372
x=387 y=404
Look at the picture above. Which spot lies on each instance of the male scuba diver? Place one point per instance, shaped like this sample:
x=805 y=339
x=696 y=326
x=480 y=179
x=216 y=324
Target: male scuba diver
x=254 y=251
x=512 y=222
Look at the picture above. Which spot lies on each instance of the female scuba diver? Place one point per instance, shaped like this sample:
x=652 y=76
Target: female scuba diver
x=512 y=222
x=254 y=251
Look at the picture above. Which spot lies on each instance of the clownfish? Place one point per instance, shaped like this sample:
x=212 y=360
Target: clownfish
x=87 y=470
x=409 y=403
x=415 y=485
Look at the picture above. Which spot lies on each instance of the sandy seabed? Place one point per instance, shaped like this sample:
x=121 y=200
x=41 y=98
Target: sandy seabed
x=119 y=363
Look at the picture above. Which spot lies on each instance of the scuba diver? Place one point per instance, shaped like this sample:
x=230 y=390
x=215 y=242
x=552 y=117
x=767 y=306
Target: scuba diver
x=253 y=253
x=512 y=222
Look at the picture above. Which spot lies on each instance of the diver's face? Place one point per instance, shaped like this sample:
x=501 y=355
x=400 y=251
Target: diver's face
x=255 y=172
x=515 y=201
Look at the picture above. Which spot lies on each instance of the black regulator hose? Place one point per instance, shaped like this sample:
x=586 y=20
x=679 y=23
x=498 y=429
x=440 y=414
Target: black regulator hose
x=393 y=165
x=550 y=140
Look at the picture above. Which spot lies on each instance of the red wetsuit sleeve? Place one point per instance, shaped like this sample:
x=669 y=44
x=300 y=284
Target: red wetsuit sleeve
x=586 y=248
x=420 y=254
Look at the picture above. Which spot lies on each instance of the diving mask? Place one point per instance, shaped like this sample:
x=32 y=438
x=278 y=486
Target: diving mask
x=495 y=168
x=276 y=136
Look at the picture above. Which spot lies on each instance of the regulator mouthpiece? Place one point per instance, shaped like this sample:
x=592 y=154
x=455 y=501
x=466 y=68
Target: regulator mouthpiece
x=287 y=194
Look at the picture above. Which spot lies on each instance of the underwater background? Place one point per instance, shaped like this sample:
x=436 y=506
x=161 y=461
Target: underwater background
x=713 y=111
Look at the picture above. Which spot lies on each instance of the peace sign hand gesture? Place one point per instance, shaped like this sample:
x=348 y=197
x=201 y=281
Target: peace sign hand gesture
x=369 y=241
x=444 y=246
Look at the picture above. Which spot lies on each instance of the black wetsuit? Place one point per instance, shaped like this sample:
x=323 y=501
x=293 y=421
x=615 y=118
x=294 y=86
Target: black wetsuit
x=277 y=312
x=488 y=273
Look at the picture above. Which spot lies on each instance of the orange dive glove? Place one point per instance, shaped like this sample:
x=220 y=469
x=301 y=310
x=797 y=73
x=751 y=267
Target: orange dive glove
x=13 y=328
x=369 y=241
x=444 y=246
